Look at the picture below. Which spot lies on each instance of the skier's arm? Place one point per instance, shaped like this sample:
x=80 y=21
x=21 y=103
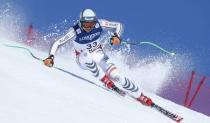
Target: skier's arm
x=70 y=35
x=115 y=39
x=113 y=25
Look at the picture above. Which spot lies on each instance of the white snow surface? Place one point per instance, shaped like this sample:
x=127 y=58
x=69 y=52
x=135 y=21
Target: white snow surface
x=33 y=93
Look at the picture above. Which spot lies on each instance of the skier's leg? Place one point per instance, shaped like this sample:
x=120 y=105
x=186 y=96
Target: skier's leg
x=85 y=61
x=129 y=86
x=112 y=72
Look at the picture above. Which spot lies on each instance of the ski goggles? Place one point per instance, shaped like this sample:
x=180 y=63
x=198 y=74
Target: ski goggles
x=88 y=24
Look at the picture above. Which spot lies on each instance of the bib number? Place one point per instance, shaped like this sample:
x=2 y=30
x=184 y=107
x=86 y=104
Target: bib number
x=91 y=46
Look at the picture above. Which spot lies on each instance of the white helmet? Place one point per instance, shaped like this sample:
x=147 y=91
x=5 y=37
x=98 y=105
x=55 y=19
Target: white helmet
x=88 y=19
x=88 y=15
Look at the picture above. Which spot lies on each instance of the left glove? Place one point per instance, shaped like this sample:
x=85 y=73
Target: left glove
x=115 y=39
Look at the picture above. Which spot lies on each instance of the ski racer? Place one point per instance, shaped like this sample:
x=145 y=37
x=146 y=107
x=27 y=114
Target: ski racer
x=90 y=55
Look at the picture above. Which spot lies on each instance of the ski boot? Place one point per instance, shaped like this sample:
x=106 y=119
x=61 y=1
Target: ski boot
x=144 y=100
x=109 y=84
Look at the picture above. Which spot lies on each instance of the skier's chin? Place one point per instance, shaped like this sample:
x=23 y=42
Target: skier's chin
x=87 y=29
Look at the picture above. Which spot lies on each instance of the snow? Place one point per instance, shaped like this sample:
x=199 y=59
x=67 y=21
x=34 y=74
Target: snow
x=33 y=93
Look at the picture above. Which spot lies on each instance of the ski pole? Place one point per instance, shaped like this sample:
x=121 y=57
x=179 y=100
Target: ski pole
x=19 y=47
x=151 y=44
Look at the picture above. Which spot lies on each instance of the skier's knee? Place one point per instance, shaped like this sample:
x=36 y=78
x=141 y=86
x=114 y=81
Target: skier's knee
x=113 y=74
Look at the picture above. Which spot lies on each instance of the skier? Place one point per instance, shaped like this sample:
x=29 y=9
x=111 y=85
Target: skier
x=85 y=35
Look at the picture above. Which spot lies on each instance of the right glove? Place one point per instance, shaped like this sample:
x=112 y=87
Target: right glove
x=115 y=39
x=49 y=61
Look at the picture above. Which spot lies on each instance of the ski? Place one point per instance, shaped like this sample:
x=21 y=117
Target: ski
x=118 y=91
x=162 y=110
x=172 y=116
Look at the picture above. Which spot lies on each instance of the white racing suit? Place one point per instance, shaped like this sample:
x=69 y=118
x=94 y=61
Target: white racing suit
x=90 y=55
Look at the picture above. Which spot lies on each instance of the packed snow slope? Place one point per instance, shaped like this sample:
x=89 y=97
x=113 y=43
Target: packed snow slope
x=33 y=93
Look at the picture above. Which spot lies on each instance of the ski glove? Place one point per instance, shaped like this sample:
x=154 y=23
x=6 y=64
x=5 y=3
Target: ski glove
x=49 y=61
x=115 y=39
